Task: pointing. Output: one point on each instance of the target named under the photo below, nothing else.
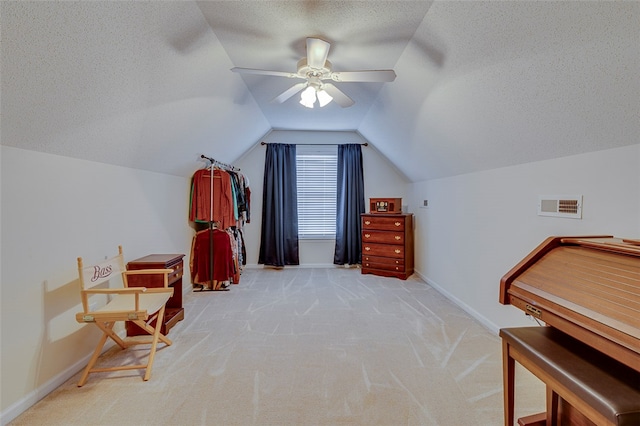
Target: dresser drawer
(385, 237)
(383, 223)
(382, 267)
(384, 250)
(178, 271)
(382, 260)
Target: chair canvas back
(91, 276)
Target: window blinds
(317, 180)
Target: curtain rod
(318, 144)
(218, 163)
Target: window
(317, 168)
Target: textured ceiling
(519, 82)
(271, 35)
(479, 85)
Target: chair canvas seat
(151, 302)
(139, 305)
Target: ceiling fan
(315, 69)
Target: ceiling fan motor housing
(305, 71)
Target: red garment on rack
(202, 209)
(223, 265)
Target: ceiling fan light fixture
(308, 97)
(315, 69)
(323, 97)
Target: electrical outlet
(425, 204)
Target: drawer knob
(397, 268)
(398, 237)
(367, 235)
(397, 251)
(366, 222)
(367, 248)
(398, 223)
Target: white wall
(380, 180)
(55, 209)
(478, 226)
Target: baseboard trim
(22, 405)
(468, 309)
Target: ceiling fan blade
(338, 96)
(265, 72)
(317, 52)
(289, 92)
(375, 76)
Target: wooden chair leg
(94, 358)
(107, 332)
(508, 383)
(154, 344)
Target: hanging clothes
(248, 198)
(212, 204)
(231, 232)
(211, 258)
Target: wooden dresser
(387, 244)
(174, 311)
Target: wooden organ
(589, 289)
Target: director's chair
(140, 305)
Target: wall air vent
(560, 206)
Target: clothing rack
(220, 164)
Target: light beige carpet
(306, 347)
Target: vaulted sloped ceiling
(512, 82)
(138, 84)
(479, 85)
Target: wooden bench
(601, 389)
